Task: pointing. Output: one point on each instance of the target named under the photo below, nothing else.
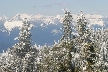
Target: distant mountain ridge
(46, 20)
(46, 29)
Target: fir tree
(102, 41)
(67, 29)
(24, 44)
(62, 52)
(22, 57)
(87, 48)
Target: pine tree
(87, 48)
(80, 41)
(68, 42)
(62, 51)
(102, 41)
(46, 60)
(9, 62)
(22, 55)
(67, 29)
(24, 44)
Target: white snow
(16, 21)
(38, 16)
(10, 25)
(93, 16)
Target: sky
(52, 7)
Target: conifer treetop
(67, 29)
(81, 24)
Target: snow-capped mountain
(46, 29)
(15, 21)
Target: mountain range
(45, 29)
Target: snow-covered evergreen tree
(24, 44)
(102, 63)
(62, 52)
(85, 45)
(22, 57)
(67, 26)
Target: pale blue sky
(52, 7)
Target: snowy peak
(93, 16)
(11, 25)
(95, 19)
(20, 17)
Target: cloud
(48, 5)
(62, 4)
